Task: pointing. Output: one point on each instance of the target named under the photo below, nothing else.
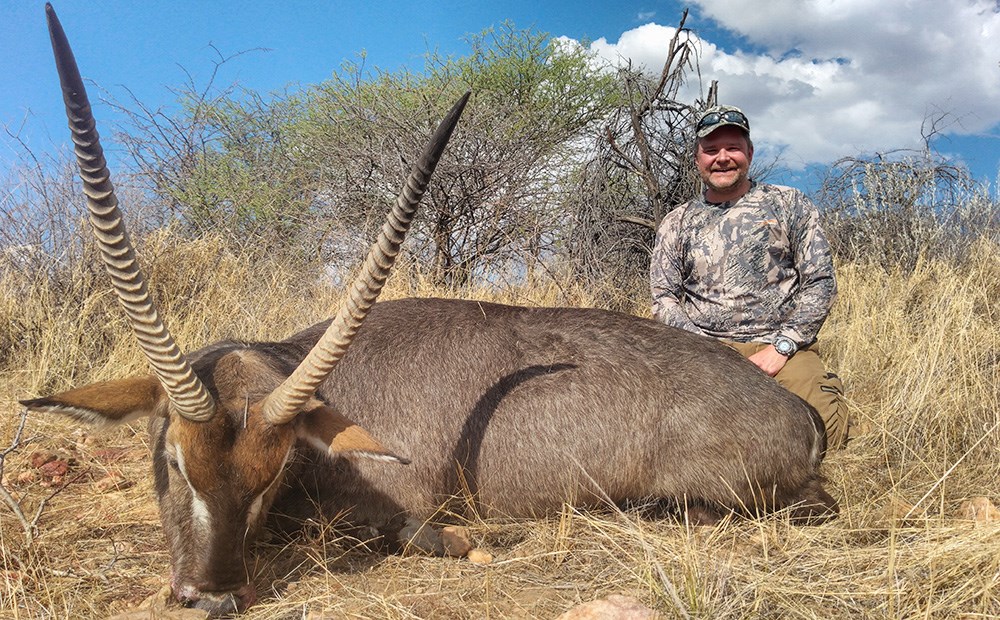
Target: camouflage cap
(720, 116)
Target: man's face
(723, 158)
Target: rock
(53, 472)
(421, 537)
(160, 607)
(903, 513)
(39, 458)
(108, 456)
(478, 556)
(979, 509)
(26, 477)
(12, 579)
(54, 468)
(112, 482)
(614, 607)
(455, 541)
(83, 439)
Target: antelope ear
(107, 403)
(336, 435)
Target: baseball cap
(720, 116)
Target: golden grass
(919, 352)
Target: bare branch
(641, 169)
(16, 443)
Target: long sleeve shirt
(747, 271)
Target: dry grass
(920, 354)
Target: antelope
(391, 411)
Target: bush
(893, 211)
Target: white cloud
(839, 77)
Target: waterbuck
(514, 410)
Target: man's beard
(736, 181)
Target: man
(748, 263)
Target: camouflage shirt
(746, 271)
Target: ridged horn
(189, 397)
(282, 405)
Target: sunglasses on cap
(732, 116)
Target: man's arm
(817, 281)
(666, 275)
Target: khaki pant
(805, 376)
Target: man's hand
(768, 360)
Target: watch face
(783, 346)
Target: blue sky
(820, 79)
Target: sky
(819, 79)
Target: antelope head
(225, 425)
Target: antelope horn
(282, 405)
(187, 393)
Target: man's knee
(832, 408)
(807, 377)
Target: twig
(30, 526)
(16, 443)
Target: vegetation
(559, 156)
(307, 174)
(253, 209)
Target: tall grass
(918, 348)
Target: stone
(160, 606)
(422, 537)
(478, 556)
(39, 458)
(903, 513)
(613, 607)
(455, 541)
(112, 482)
(980, 510)
(53, 473)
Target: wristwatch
(785, 345)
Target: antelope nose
(217, 604)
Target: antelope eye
(171, 460)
